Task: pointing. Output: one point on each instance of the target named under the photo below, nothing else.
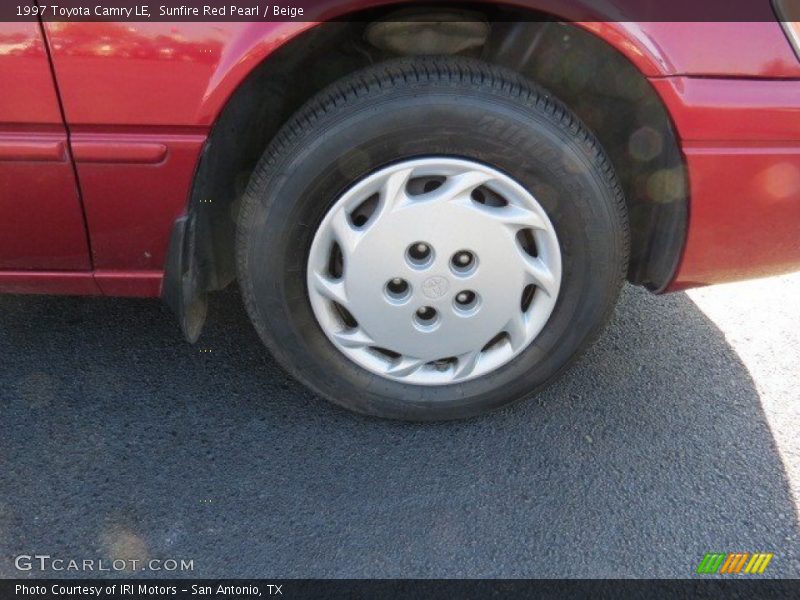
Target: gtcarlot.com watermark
(46, 562)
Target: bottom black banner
(449, 589)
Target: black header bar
(358, 10)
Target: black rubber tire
(420, 107)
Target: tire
(422, 107)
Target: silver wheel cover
(434, 271)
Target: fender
(196, 66)
(657, 49)
(255, 42)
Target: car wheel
(431, 239)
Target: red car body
(102, 126)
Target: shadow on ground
(118, 440)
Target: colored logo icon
(734, 563)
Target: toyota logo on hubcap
(435, 287)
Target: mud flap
(183, 290)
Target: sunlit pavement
(760, 320)
(677, 434)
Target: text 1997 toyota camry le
(429, 212)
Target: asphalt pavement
(675, 435)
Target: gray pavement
(119, 440)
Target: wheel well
(595, 81)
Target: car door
(41, 219)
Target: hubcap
(434, 271)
